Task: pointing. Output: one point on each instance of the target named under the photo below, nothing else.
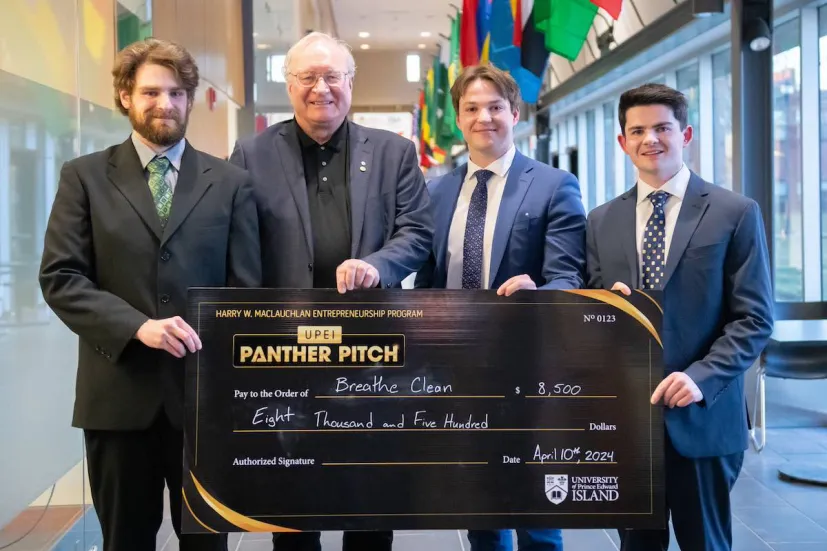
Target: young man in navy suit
(705, 248)
(505, 222)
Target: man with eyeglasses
(340, 205)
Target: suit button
(164, 299)
(165, 256)
(310, 267)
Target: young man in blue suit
(704, 247)
(505, 222)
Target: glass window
(788, 239)
(822, 60)
(722, 118)
(688, 82)
(609, 145)
(590, 160)
(631, 173)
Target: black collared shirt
(326, 174)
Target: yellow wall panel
(39, 42)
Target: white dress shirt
(456, 235)
(676, 188)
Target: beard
(155, 130)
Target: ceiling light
(262, 46)
(425, 34)
(413, 68)
(255, 35)
(422, 46)
(757, 34)
(365, 46)
(364, 34)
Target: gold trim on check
(620, 303)
(243, 522)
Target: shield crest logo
(557, 487)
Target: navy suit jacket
(391, 220)
(540, 230)
(717, 304)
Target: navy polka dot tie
(653, 247)
(475, 232)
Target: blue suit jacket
(717, 304)
(391, 221)
(540, 230)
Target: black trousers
(127, 473)
(351, 541)
(697, 498)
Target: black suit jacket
(391, 222)
(108, 266)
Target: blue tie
(475, 232)
(653, 247)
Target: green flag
(565, 23)
(450, 132)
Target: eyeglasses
(334, 79)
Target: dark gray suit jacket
(391, 221)
(108, 266)
(717, 303)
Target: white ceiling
(393, 24)
(274, 23)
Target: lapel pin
(363, 163)
(362, 168)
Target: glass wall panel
(56, 103)
(787, 221)
(592, 164)
(688, 82)
(613, 184)
(722, 118)
(822, 61)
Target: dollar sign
(517, 390)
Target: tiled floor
(769, 513)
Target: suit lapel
(192, 183)
(516, 186)
(624, 222)
(126, 173)
(451, 186)
(290, 157)
(361, 168)
(692, 210)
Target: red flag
(612, 7)
(469, 52)
(517, 13)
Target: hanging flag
(567, 25)
(451, 134)
(469, 49)
(428, 113)
(503, 53)
(612, 7)
(534, 55)
(484, 30)
(441, 92)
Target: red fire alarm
(211, 98)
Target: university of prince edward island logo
(557, 487)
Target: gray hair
(316, 36)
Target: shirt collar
(500, 167)
(675, 186)
(336, 142)
(146, 154)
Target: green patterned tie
(161, 190)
